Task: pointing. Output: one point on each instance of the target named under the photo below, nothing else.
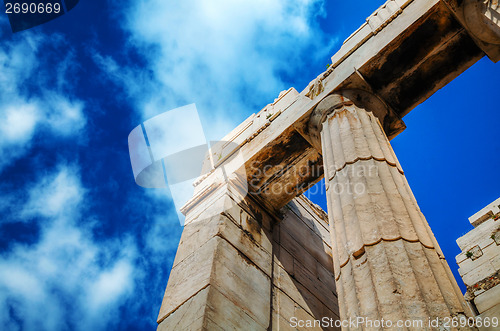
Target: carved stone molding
(391, 123)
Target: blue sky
(81, 245)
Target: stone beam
(406, 51)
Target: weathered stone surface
(188, 277)
(303, 280)
(241, 281)
(209, 310)
(387, 263)
(479, 262)
(490, 314)
(188, 316)
(280, 323)
(480, 19)
(297, 251)
(298, 238)
(222, 274)
(488, 299)
(473, 269)
(220, 265)
(404, 53)
(223, 314)
(312, 215)
(285, 309)
(196, 235)
(478, 273)
(319, 305)
(480, 235)
(485, 214)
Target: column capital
(482, 18)
(340, 100)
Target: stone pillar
(221, 277)
(387, 262)
(244, 268)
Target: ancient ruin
(269, 256)
(479, 262)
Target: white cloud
(58, 195)
(26, 106)
(66, 266)
(110, 286)
(227, 56)
(65, 116)
(19, 123)
(25, 284)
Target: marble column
(387, 262)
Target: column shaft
(387, 262)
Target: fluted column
(387, 262)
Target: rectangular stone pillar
(221, 277)
(246, 269)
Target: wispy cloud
(229, 57)
(67, 269)
(27, 104)
(57, 196)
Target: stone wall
(303, 280)
(248, 270)
(479, 262)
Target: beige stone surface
(223, 275)
(386, 262)
(196, 235)
(478, 271)
(492, 314)
(474, 270)
(303, 280)
(231, 252)
(293, 247)
(285, 309)
(209, 310)
(295, 236)
(281, 323)
(221, 266)
(313, 217)
(485, 213)
(480, 234)
(189, 316)
(188, 278)
(488, 299)
(223, 314)
(239, 279)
